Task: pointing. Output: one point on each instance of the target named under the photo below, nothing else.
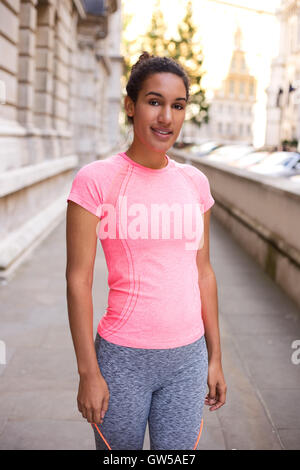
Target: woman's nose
(165, 115)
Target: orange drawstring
(195, 446)
(101, 435)
(199, 435)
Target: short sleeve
(86, 191)
(205, 194)
(201, 185)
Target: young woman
(158, 344)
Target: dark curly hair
(148, 65)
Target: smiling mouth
(161, 132)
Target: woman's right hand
(93, 397)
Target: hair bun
(142, 58)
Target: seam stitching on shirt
(110, 331)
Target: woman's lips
(161, 136)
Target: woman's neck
(146, 157)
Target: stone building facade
(231, 106)
(283, 107)
(60, 98)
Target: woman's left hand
(217, 387)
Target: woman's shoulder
(99, 168)
(191, 171)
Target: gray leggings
(165, 387)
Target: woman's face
(159, 111)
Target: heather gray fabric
(167, 387)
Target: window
(242, 89)
(243, 64)
(220, 127)
(231, 87)
(251, 89)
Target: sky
(216, 26)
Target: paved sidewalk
(38, 385)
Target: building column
(9, 40)
(26, 69)
(44, 65)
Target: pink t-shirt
(150, 227)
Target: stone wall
(268, 231)
(60, 70)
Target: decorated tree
(188, 52)
(155, 41)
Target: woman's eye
(153, 101)
(157, 102)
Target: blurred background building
(231, 106)
(239, 39)
(60, 68)
(283, 107)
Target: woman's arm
(209, 301)
(81, 239)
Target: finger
(220, 393)
(209, 400)
(83, 411)
(216, 406)
(104, 406)
(89, 415)
(211, 405)
(222, 396)
(79, 406)
(212, 393)
(220, 399)
(97, 417)
(212, 400)
(210, 397)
